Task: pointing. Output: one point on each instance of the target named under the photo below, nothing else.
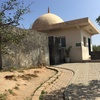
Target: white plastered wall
(85, 50)
(73, 36)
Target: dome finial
(48, 10)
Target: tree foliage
(11, 12)
(98, 20)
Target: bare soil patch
(20, 85)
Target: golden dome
(46, 19)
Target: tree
(98, 20)
(96, 48)
(11, 13)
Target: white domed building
(75, 34)
(46, 20)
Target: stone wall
(32, 51)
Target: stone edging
(46, 83)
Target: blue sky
(66, 9)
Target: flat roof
(82, 23)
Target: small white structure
(76, 33)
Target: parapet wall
(32, 51)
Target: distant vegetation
(96, 48)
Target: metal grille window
(62, 41)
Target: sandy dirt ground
(21, 85)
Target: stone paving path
(85, 84)
(84, 72)
(56, 89)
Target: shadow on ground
(54, 95)
(76, 92)
(83, 92)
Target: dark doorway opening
(89, 46)
(56, 50)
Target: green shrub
(11, 92)
(3, 96)
(16, 87)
